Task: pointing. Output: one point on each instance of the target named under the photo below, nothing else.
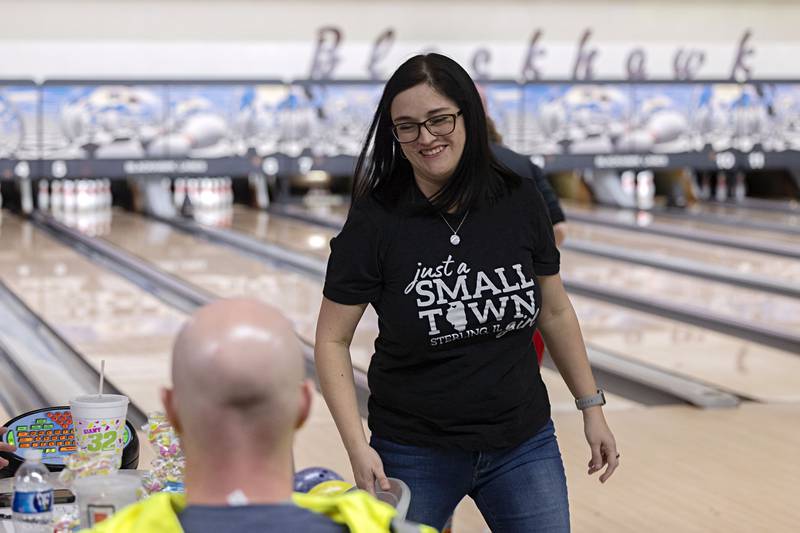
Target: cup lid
(100, 399)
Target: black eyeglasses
(408, 132)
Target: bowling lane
(791, 206)
(331, 214)
(735, 303)
(738, 214)
(100, 314)
(646, 219)
(223, 272)
(291, 234)
(728, 362)
(769, 311)
(766, 266)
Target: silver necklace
(454, 238)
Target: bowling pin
(207, 193)
(705, 186)
(56, 196)
(82, 195)
(91, 195)
(628, 179)
(193, 191)
(228, 192)
(179, 192)
(109, 194)
(43, 196)
(102, 194)
(97, 194)
(83, 221)
(740, 188)
(645, 190)
(221, 193)
(105, 193)
(722, 187)
(26, 195)
(69, 195)
(211, 194)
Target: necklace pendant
(454, 240)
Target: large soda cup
(99, 424)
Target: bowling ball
(331, 488)
(308, 478)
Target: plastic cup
(99, 424)
(398, 496)
(99, 497)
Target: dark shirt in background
(523, 167)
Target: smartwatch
(590, 401)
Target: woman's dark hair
(381, 169)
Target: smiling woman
(430, 127)
(456, 254)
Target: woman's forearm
(562, 335)
(335, 374)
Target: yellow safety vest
(357, 509)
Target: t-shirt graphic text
(449, 299)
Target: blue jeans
(521, 489)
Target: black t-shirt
(454, 366)
(234, 519)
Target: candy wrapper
(68, 521)
(82, 464)
(168, 467)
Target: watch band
(590, 401)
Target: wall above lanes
(615, 39)
(415, 20)
(86, 129)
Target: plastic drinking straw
(102, 376)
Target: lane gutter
(702, 236)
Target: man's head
(238, 371)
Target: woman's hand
(601, 441)
(367, 468)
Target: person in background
(456, 254)
(524, 167)
(239, 394)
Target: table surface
(7, 526)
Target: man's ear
(306, 397)
(168, 401)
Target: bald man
(239, 393)
(237, 371)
